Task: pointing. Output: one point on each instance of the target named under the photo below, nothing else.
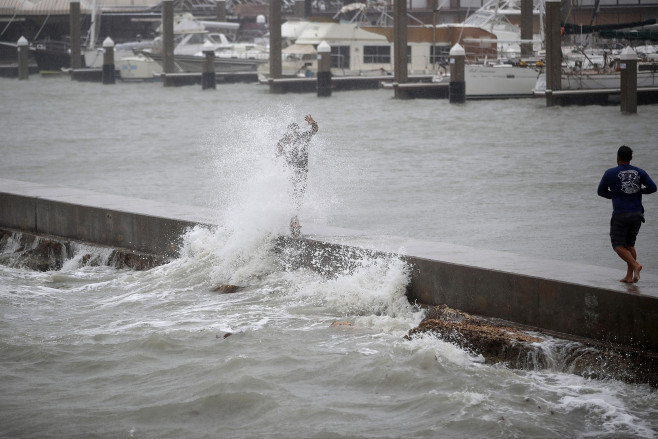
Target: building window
(340, 57)
(376, 54)
(439, 54)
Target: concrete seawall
(576, 299)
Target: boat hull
(499, 82)
(138, 68)
(194, 64)
(597, 81)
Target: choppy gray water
(99, 352)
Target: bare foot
(636, 273)
(626, 280)
(295, 227)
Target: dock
(554, 296)
(173, 79)
(179, 79)
(11, 70)
(338, 83)
(419, 90)
(603, 96)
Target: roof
(337, 32)
(63, 7)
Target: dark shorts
(624, 228)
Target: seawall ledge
(564, 297)
(508, 262)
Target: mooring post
(275, 39)
(527, 25)
(168, 41)
(628, 64)
(299, 9)
(108, 61)
(23, 52)
(324, 69)
(220, 10)
(553, 50)
(208, 79)
(457, 86)
(74, 23)
(400, 41)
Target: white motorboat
(500, 81)
(139, 67)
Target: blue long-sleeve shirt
(624, 185)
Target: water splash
(254, 208)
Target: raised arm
(313, 123)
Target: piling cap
(628, 54)
(324, 47)
(207, 47)
(457, 50)
(22, 42)
(107, 42)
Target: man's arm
(604, 189)
(649, 185)
(314, 124)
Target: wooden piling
(167, 40)
(457, 92)
(23, 53)
(299, 9)
(628, 86)
(324, 70)
(526, 28)
(220, 10)
(208, 78)
(400, 41)
(74, 23)
(275, 39)
(553, 51)
(108, 61)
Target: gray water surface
(99, 352)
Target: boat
(192, 38)
(52, 56)
(601, 70)
(509, 75)
(139, 67)
(500, 81)
(596, 80)
(223, 63)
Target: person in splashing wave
(624, 185)
(293, 146)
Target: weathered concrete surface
(577, 299)
(112, 220)
(582, 300)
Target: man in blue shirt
(624, 185)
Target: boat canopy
(315, 33)
(303, 49)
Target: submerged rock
(343, 323)
(520, 347)
(226, 289)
